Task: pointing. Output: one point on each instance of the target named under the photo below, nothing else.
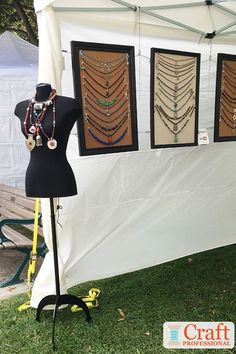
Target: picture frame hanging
(174, 98)
(225, 98)
(104, 85)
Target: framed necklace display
(104, 84)
(174, 98)
(225, 101)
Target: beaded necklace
(230, 112)
(175, 118)
(105, 75)
(107, 86)
(175, 101)
(176, 61)
(110, 141)
(228, 124)
(176, 88)
(175, 66)
(103, 120)
(175, 110)
(107, 104)
(227, 66)
(105, 63)
(175, 95)
(108, 94)
(101, 128)
(175, 130)
(33, 133)
(174, 82)
(231, 83)
(228, 98)
(176, 74)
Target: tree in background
(18, 16)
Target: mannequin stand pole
(58, 299)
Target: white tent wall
(13, 154)
(18, 76)
(139, 209)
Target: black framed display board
(174, 98)
(225, 102)
(104, 84)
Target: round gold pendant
(52, 144)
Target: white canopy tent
(18, 75)
(139, 209)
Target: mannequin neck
(43, 91)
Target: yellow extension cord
(90, 300)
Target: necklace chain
(33, 132)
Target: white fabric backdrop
(142, 208)
(18, 76)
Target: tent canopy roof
(206, 19)
(15, 52)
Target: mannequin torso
(49, 173)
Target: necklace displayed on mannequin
(35, 115)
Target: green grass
(199, 290)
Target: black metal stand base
(59, 300)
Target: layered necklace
(174, 94)
(228, 98)
(34, 119)
(106, 104)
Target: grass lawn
(197, 288)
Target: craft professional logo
(201, 335)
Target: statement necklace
(35, 114)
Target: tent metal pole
(226, 27)
(225, 9)
(179, 6)
(227, 33)
(176, 23)
(169, 7)
(91, 9)
(124, 3)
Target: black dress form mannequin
(49, 174)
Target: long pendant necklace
(176, 88)
(33, 133)
(174, 119)
(176, 131)
(174, 73)
(108, 94)
(175, 95)
(175, 110)
(188, 93)
(174, 82)
(107, 86)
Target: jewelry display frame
(196, 56)
(84, 148)
(219, 100)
